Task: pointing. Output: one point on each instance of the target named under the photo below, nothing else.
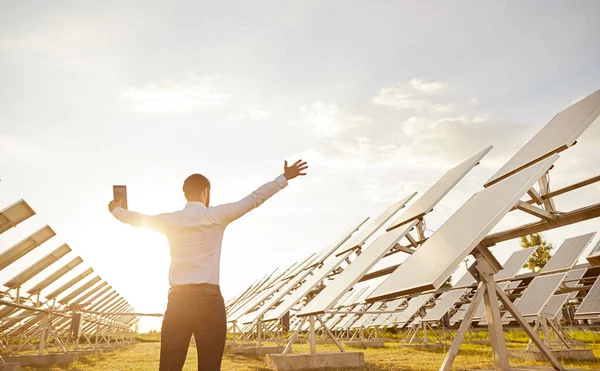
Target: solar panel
(347, 321)
(354, 272)
(438, 190)
(275, 298)
(302, 291)
(466, 280)
(25, 246)
(354, 298)
(70, 283)
(80, 290)
(559, 134)
(537, 295)
(366, 233)
(37, 267)
(591, 303)
(431, 264)
(55, 276)
(390, 306)
(459, 315)
(14, 214)
(446, 301)
(514, 263)
(339, 244)
(365, 319)
(568, 253)
(554, 307)
(414, 305)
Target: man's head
(196, 188)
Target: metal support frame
(489, 291)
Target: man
(195, 234)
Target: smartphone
(120, 193)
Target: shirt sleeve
(227, 213)
(160, 223)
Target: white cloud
(328, 120)
(413, 95)
(428, 87)
(175, 97)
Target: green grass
(144, 357)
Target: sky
(380, 97)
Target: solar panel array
(431, 265)
(352, 274)
(104, 312)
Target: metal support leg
(311, 336)
(462, 329)
(259, 333)
(516, 315)
(495, 327)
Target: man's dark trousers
(199, 310)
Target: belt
(196, 288)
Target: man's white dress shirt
(195, 233)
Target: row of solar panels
(433, 262)
(538, 293)
(104, 309)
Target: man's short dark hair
(195, 183)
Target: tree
(541, 256)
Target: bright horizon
(381, 99)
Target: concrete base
(13, 366)
(363, 344)
(292, 362)
(561, 354)
(44, 360)
(259, 351)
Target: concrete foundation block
(561, 354)
(12, 366)
(292, 362)
(44, 360)
(363, 344)
(259, 351)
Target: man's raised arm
(159, 223)
(227, 213)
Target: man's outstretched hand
(297, 169)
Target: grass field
(144, 357)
